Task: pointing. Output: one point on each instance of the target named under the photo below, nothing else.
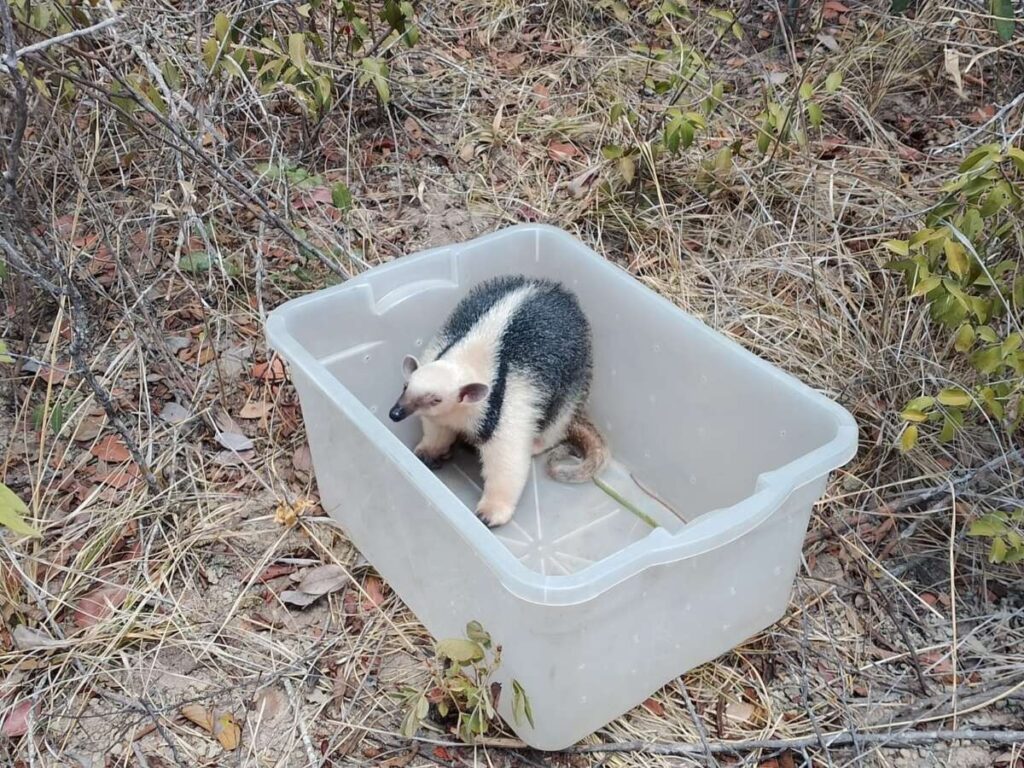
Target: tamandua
(509, 372)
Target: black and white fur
(509, 372)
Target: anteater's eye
(435, 401)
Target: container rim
(713, 529)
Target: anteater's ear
(473, 393)
(409, 366)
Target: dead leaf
(173, 413)
(315, 583)
(740, 711)
(655, 707)
(269, 703)
(234, 441)
(297, 598)
(98, 604)
(462, 53)
(227, 731)
(111, 449)
(323, 579)
(832, 9)
(511, 62)
(275, 571)
(232, 458)
(255, 410)
(120, 478)
(412, 129)
(582, 184)
(777, 78)
(175, 344)
(829, 42)
(270, 371)
(89, 427)
(543, 96)
(16, 722)
(374, 590)
(26, 639)
(222, 726)
(288, 514)
(982, 115)
(561, 152)
(313, 199)
(951, 63)
(401, 761)
(302, 460)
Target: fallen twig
(898, 739)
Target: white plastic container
(718, 455)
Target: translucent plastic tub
(599, 594)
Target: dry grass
(780, 253)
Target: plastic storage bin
(599, 594)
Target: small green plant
(778, 121)
(1006, 530)
(461, 688)
(966, 263)
(293, 62)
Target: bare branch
(58, 40)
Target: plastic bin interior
(708, 442)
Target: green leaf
(1016, 155)
(955, 397)
(987, 360)
(976, 156)
(909, 438)
(521, 704)
(814, 114)
(1011, 344)
(927, 285)
(913, 415)
(998, 551)
(376, 71)
(221, 26)
(899, 247)
(956, 258)
(964, 338)
(988, 395)
(13, 513)
(297, 50)
(921, 403)
(627, 167)
(615, 112)
(410, 723)
(476, 633)
(986, 334)
(195, 262)
(1018, 292)
(1004, 20)
(460, 651)
(806, 91)
(833, 81)
(995, 200)
(4, 357)
(341, 196)
(611, 151)
(899, 6)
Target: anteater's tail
(581, 456)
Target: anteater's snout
(398, 412)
